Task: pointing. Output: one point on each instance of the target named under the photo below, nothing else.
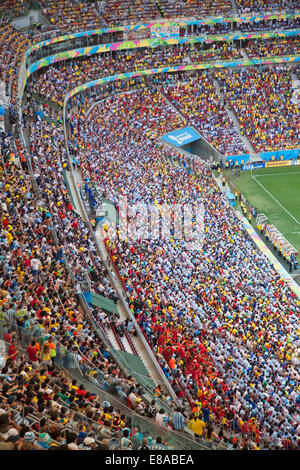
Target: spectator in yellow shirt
(198, 427)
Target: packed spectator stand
(271, 120)
(276, 47)
(249, 6)
(63, 325)
(194, 8)
(70, 15)
(222, 324)
(11, 8)
(198, 101)
(139, 276)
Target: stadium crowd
(254, 6)
(55, 81)
(13, 43)
(204, 109)
(261, 98)
(72, 15)
(11, 8)
(272, 47)
(195, 8)
(75, 15)
(118, 12)
(47, 320)
(223, 325)
(268, 25)
(221, 51)
(221, 316)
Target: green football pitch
(276, 193)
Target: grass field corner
(276, 193)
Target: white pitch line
(275, 174)
(276, 200)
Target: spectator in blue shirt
(178, 420)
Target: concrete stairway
(43, 100)
(126, 344)
(112, 339)
(234, 7)
(237, 126)
(138, 344)
(146, 363)
(243, 52)
(296, 88)
(176, 110)
(74, 193)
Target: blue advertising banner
(280, 155)
(238, 159)
(275, 156)
(253, 165)
(182, 136)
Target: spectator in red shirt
(32, 355)
(80, 391)
(12, 351)
(7, 338)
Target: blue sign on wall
(267, 156)
(238, 158)
(280, 154)
(181, 136)
(253, 165)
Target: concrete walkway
(149, 362)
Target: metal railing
(141, 426)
